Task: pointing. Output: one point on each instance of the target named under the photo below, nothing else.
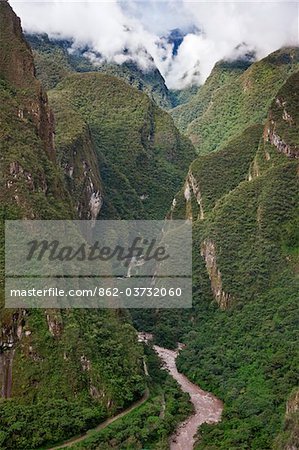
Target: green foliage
(54, 62)
(91, 367)
(71, 368)
(32, 426)
(142, 158)
(248, 358)
(247, 228)
(150, 425)
(182, 96)
(222, 74)
(219, 173)
(218, 112)
(53, 376)
(30, 179)
(247, 354)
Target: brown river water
(207, 408)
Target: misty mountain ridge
(55, 57)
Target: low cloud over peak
(141, 31)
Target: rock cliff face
(280, 144)
(17, 68)
(283, 119)
(289, 438)
(208, 252)
(192, 188)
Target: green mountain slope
(246, 351)
(235, 101)
(241, 336)
(61, 372)
(212, 176)
(142, 158)
(31, 182)
(113, 153)
(54, 62)
(222, 74)
(243, 342)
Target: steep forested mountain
(141, 155)
(243, 200)
(223, 73)
(38, 348)
(127, 141)
(234, 97)
(54, 60)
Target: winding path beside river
(102, 425)
(207, 408)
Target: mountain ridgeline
(56, 58)
(236, 94)
(98, 146)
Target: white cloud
(110, 27)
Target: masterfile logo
(63, 264)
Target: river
(207, 408)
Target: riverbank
(101, 426)
(207, 408)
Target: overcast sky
(213, 31)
